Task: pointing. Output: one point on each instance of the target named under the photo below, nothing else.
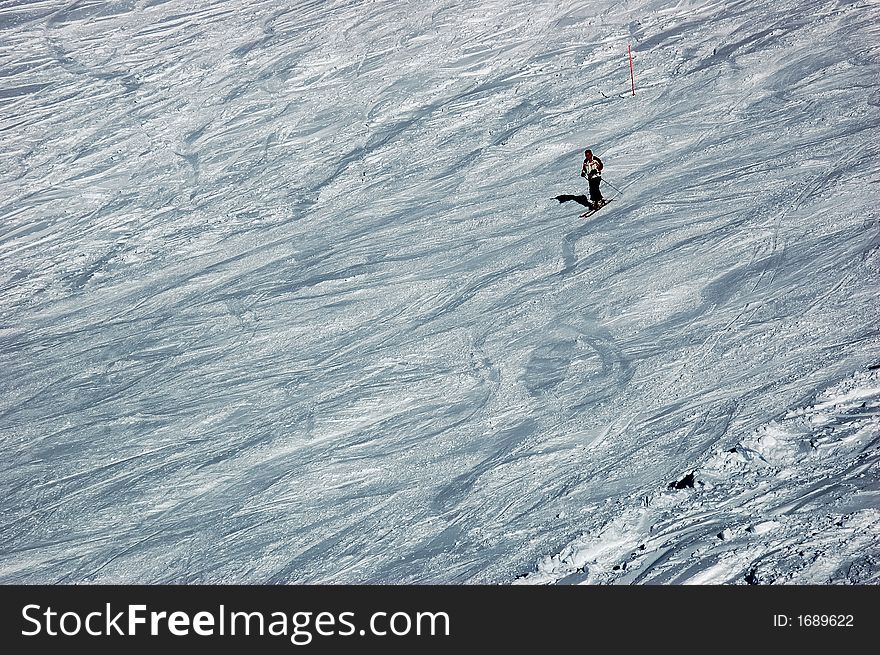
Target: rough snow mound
(794, 502)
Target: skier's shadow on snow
(583, 200)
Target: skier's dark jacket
(592, 167)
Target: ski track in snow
(285, 295)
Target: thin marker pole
(631, 76)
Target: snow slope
(285, 295)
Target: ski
(593, 211)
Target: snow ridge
(795, 501)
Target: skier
(592, 170)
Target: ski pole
(614, 187)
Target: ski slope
(285, 295)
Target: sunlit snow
(286, 294)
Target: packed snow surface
(286, 295)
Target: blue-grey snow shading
(285, 295)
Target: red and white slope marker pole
(631, 76)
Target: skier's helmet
(588, 153)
